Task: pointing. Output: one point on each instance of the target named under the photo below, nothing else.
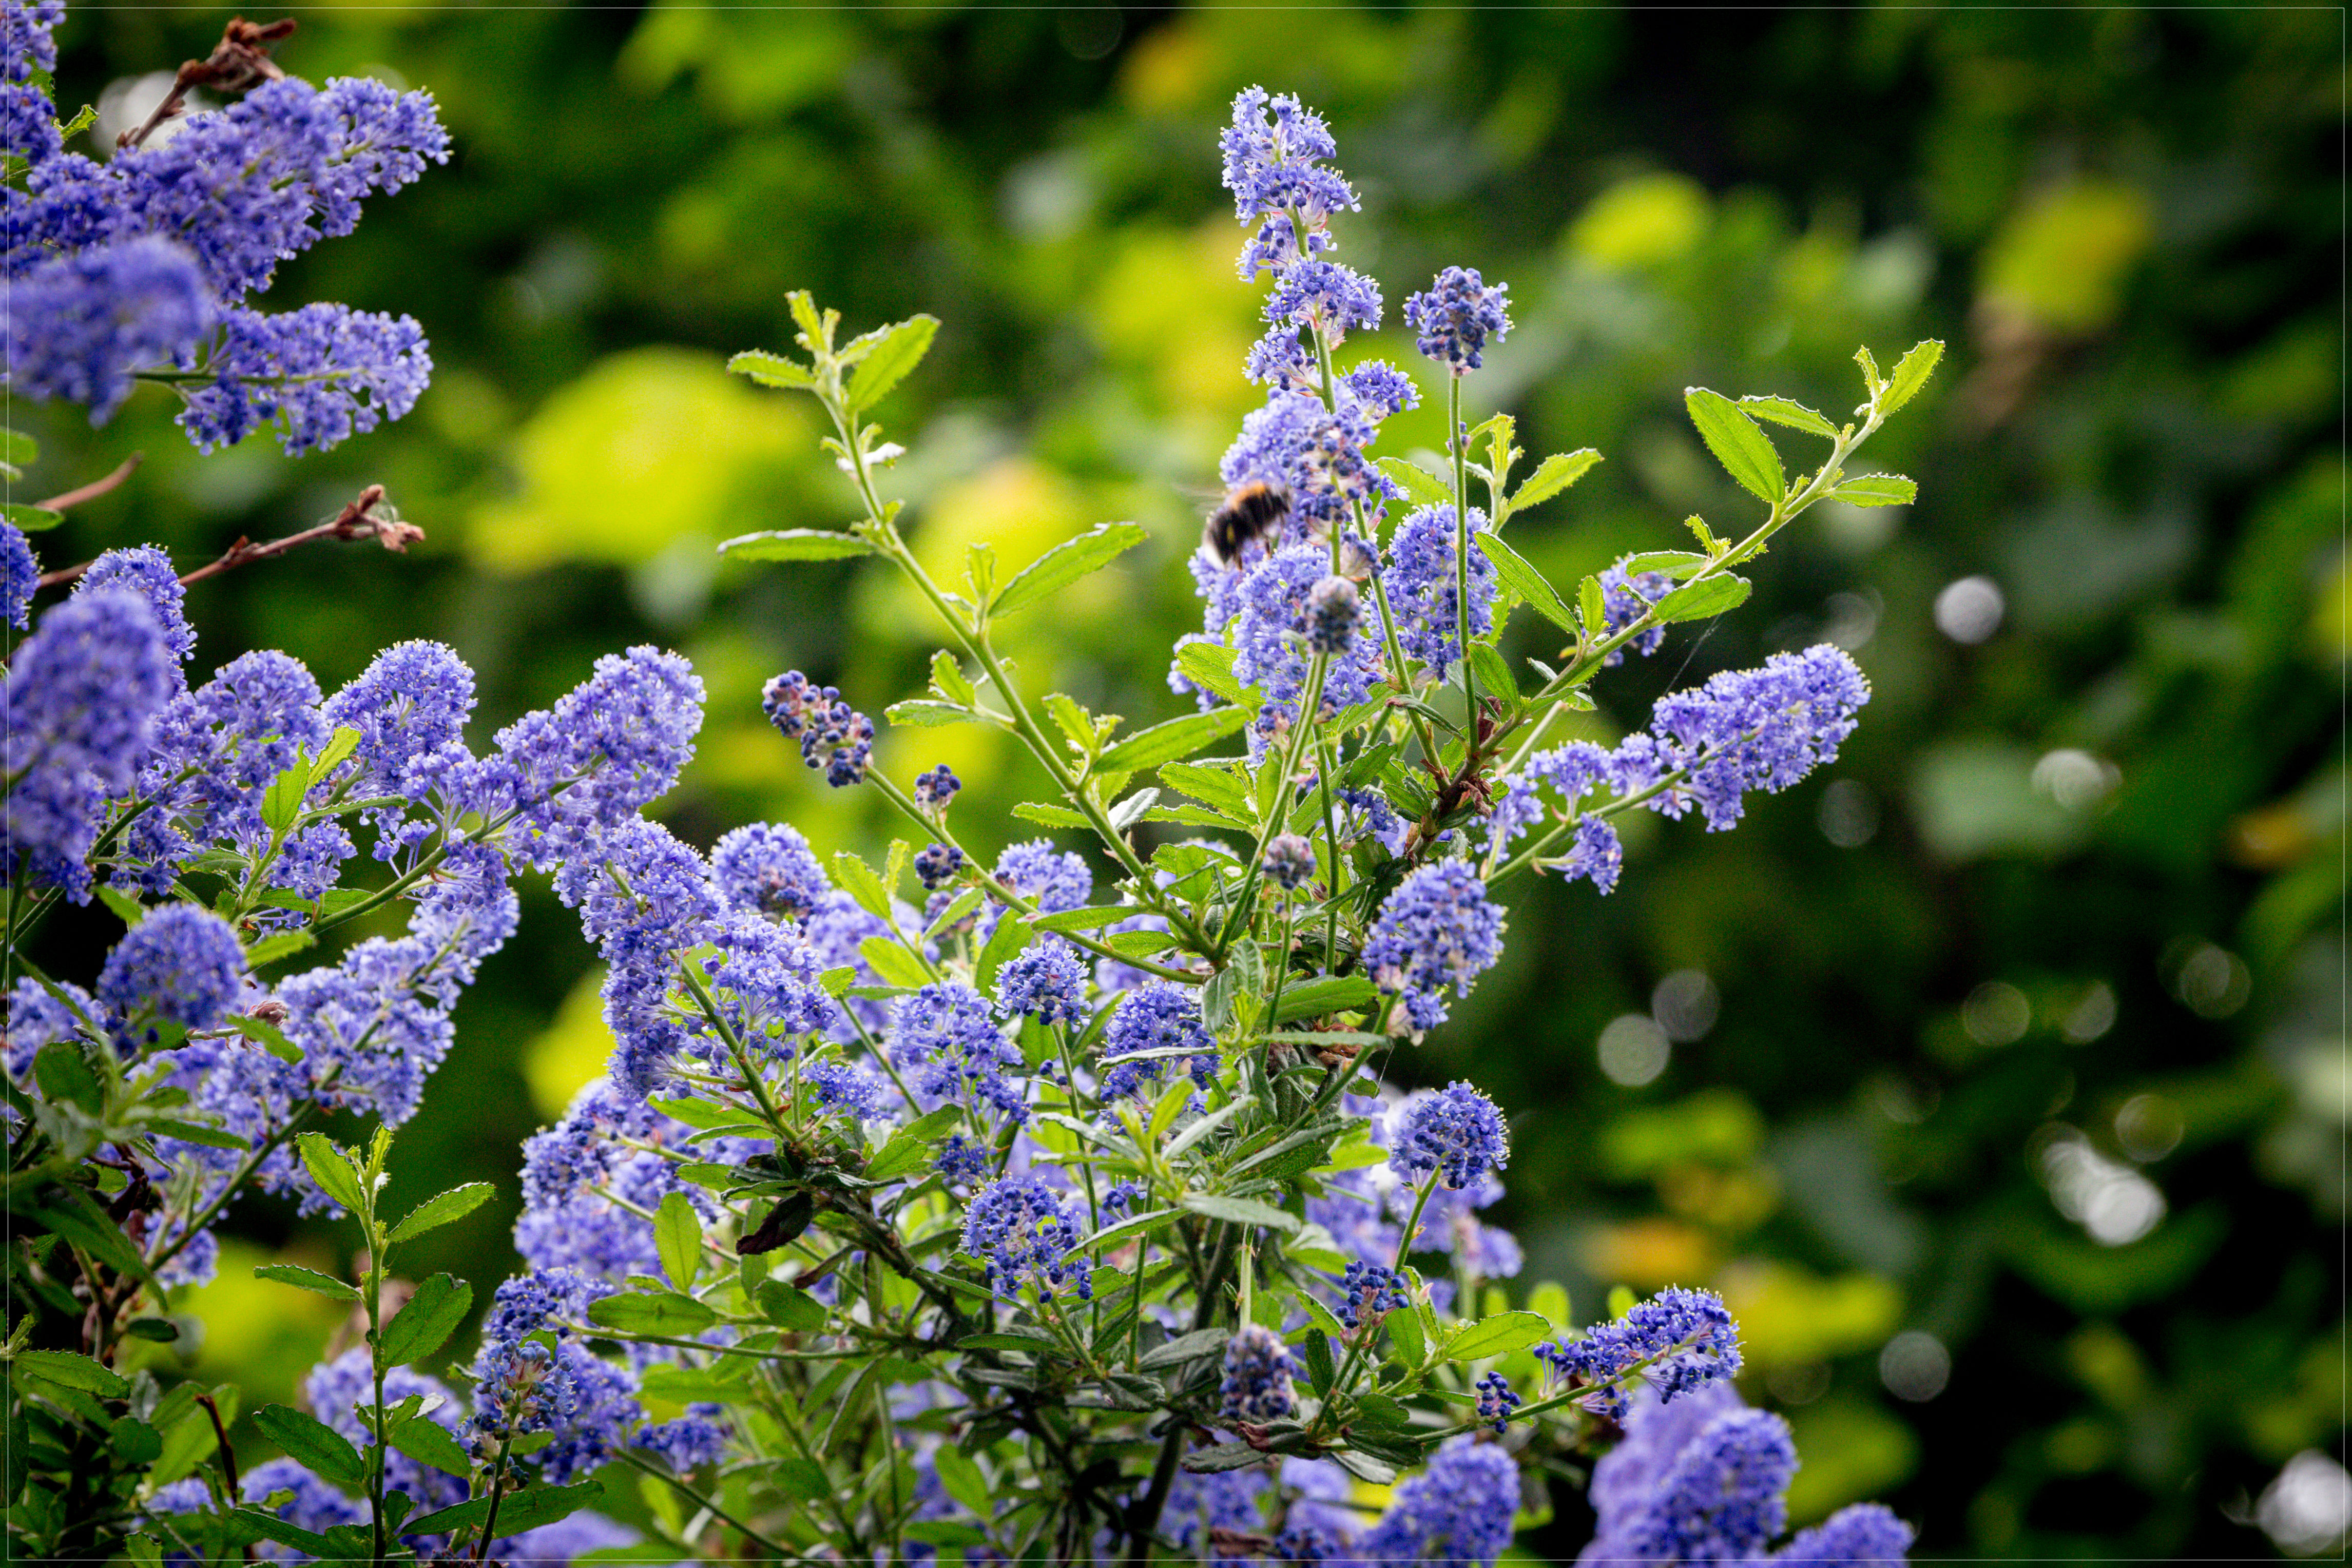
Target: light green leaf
(1210, 665)
(1869, 369)
(1010, 936)
(678, 1237)
(858, 879)
(127, 909)
(924, 714)
(1421, 487)
(203, 1133)
(342, 743)
(425, 1323)
(795, 544)
(308, 1279)
(1592, 605)
(283, 803)
(949, 680)
(1553, 475)
(789, 1307)
(278, 944)
(70, 1369)
(1045, 814)
(30, 519)
(900, 350)
(1521, 578)
(1911, 374)
(1709, 596)
(1066, 563)
(894, 964)
(1877, 490)
(331, 1170)
(1785, 410)
(1172, 741)
(443, 1207)
(1741, 447)
(772, 370)
(1239, 1210)
(1498, 1335)
(1331, 994)
(1676, 563)
(428, 1443)
(267, 1036)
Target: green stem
(1458, 441)
(706, 1504)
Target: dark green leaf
(70, 1369)
(1553, 475)
(662, 1313)
(1010, 936)
(65, 1078)
(1877, 490)
(159, 1331)
(1239, 1210)
(443, 1207)
(427, 1442)
(74, 1215)
(795, 544)
(1498, 1335)
(1171, 742)
(425, 1326)
(195, 1132)
(308, 1279)
(1183, 1348)
(1066, 563)
(1222, 1457)
(278, 944)
(315, 1446)
(678, 1237)
(1911, 374)
(789, 1307)
(269, 1527)
(1795, 415)
(1742, 449)
(1706, 597)
(518, 1511)
(901, 349)
(1330, 995)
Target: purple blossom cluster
(1281, 624)
(834, 737)
(1437, 933)
(1424, 581)
(1455, 1133)
(1154, 1029)
(142, 266)
(1677, 1340)
(1026, 1233)
(1453, 320)
(1258, 1369)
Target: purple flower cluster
(1677, 1340)
(1289, 862)
(1374, 1291)
(1281, 620)
(1274, 168)
(1154, 1028)
(945, 1035)
(1312, 454)
(934, 789)
(1024, 1233)
(1258, 1370)
(1497, 1400)
(613, 744)
(1457, 1512)
(1452, 320)
(833, 735)
(1749, 730)
(1455, 1132)
(20, 575)
(327, 372)
(1424, 583)
(1438, 930)
(81, 325)
(182, 965)
(768, 868)
(1047, 981)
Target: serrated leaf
(795, 544)
(1331, 994)
(1877, 490)
(1498, 1335)
(341, 745)
(1222, 1457)
(1239, 1210)
(30, 519)
(312, 1444)
(71, 1369)
(1421, 487)
(330, 1170)
(900, 350)
(267, 1036)
(1785, 410)
(772, 370)
(665, 1312)
(1210, 666)
(443, 1207)
(1553, 475)
(1911, 374)
(893, 963)
(949, 681)
(1521, 578)
(1737, 443)
(1676, 563)
(517, 1510)
(924, 714)
(858, 879)
(308, 1279)
(678, 1237)
(1709, 596)
(1066, 563)
(1171, 742)
(1046, 814)
(425, 1323)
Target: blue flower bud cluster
(1372, 1290)
(1423, 582)
(1164, 1019)
(1453, 320)
(1455, 1133)
(1437, 931)
(1677, 1340)
(1258, 1370)
(1026, 1235)
(834, 737)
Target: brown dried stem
(357, 520)
(95, 488)
(239, 62)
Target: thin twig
(95, 488)
(239, 62)
(358, 520)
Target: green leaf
(308, 1279)
(517, 1510)
(1404, 1330)
(663, 1312)
(1877, 490)
(901, 349)
(1521, 578)
(267, 1036)
(1010, 936)
(269, 1527)
(1421, 487)
(949, 680)
(1171, 742)
(70, 1369)
(342, 743)
(1869, 370)
(443, 1207)
(127, 909)
(424, 1439)
(278, 944)
(1795, 415)
(963, 1480)
(1045, 814)
(1676, 563)
(1736, 444)
(1222, 1457)
(1239, 1210)
(795, 544)
(425, 1326)
(1592, 605)
(1331, 994)
(923, 713)
(858, 879)
(1911, 374)
(1093, 917)
(1706, 597)
(30, 519)
(283, 801)
(160, 1331)
(678, 1237)
(1183, 1348)
(1553, 475)
(64, 1077)
(1210, 665)
(210, 1137)
(772, 370)
(17, 449)
(789, 1307)
(1066, 563)
(73, 1213)
(315, 1446)
(894, 964)
(331, 1169)
(1498, 1335)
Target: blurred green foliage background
(1998, 1078)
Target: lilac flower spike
(1455, 1132)
(1437, 931)
(1679, 1340)
(1456, 317)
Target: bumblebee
(1252, 512)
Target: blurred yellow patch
(1717, 1126)
(1649, 1253)
(1168, 69)
(1852, 1451)
(749, 63)
(1642, 222)
(1738, 1199)
(2062, 261)
(2331, 622)
(574, 1051)
(1171, 303)
(646, 447)
(1789, 1315)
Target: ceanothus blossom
(1438, 930)
(1424, 581)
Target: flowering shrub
(1053, 1214)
